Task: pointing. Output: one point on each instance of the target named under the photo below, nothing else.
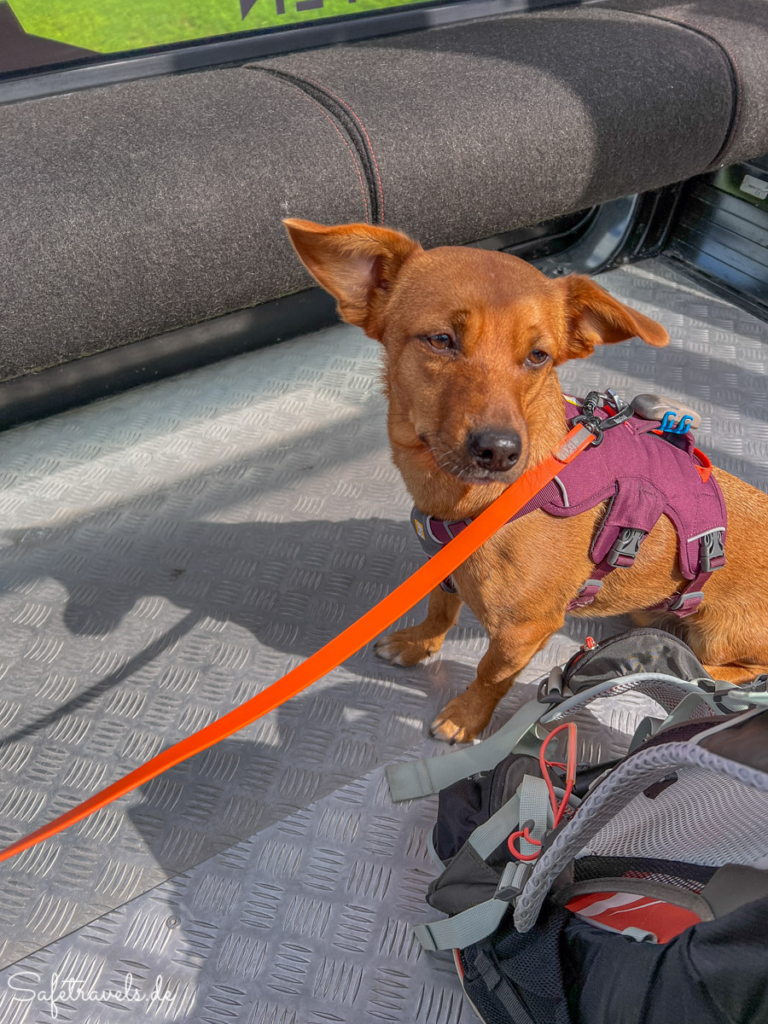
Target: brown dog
(471, 340)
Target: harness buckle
(686, 604)
(711, 551)
(586, 595)
(625, 548)
(422, 525)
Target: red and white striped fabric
(638, 917)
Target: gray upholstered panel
(138, 208)
(741, 28)
(481, 127)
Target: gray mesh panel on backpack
(702, 818)
(735, 788)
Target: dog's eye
(537, 357)
(441, 342)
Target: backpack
(608, 893)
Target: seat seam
(324, 88)
(337, 129)
(733, 73)
(350, 123)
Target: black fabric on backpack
(467, 804)
(462, 807)
(567, 971)
(518, 978)
(636, 650)
(713, 973)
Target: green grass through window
(109, 26)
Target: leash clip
(622, 412)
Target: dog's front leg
(409, 646)
(509, 651)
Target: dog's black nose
(495, 450)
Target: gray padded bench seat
(481, 127)
(134, 209)
(740, 29)
(140, 208)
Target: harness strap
(711, 558)
(616, 545)
(435, 533)
(622, 555)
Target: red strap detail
(525, 834)
(705, 469)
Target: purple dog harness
(643, 473)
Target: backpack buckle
(625, 548)
(711, 551)
(551, 687)
(512, 881)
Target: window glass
(37, 33)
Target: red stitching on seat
(370, 144)
(351, 151)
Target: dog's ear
(356, 263)
(595, 318)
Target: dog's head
(472, 338)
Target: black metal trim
(601, 245)
(719, 240)
(545, 239)
(623, 230)
(191, 56)
(59, 388)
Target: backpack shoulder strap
(429, 775)
(530, 803)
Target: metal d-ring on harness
(622, 412)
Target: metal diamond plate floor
(169, 552)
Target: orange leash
(338, 650)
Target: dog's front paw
(460, 721)
(403, 648)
